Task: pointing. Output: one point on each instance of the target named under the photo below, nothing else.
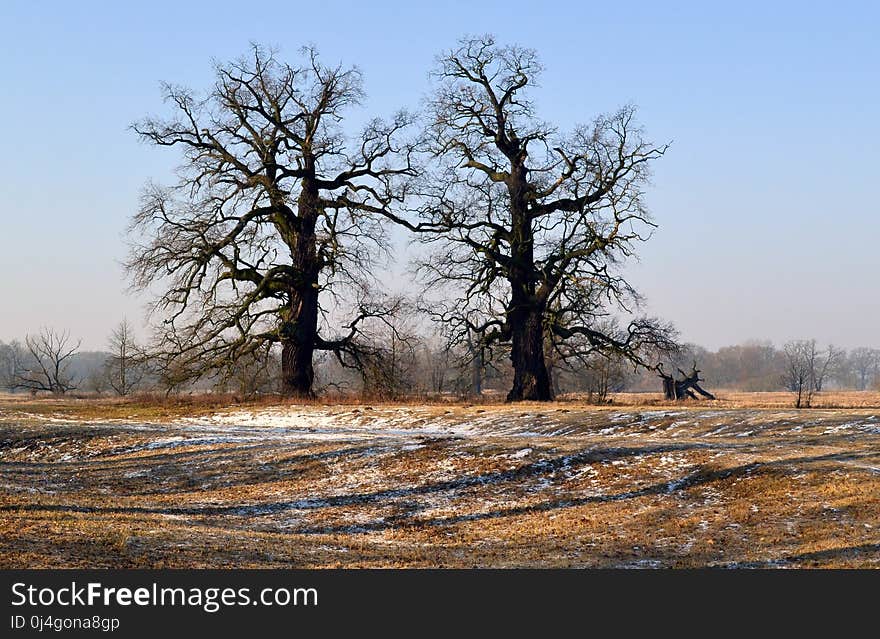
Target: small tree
(125, 368)
(388, 358)
(604, 375)
(171, 372)
(439, 366)
(96, 381)
(472, 353)
(46, 368)
(864, 363)
(800, 374)
(12, 357)
(251, 375)
(827, 364)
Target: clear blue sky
(769, 219)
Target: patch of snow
(839, 428)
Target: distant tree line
(423, 364)
(800, 366)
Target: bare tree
(12, 357)
(531, 225)
(388, 352)
(827, 362)
(597, 375)
(444, 369)
(439, 364)
(800, 374)
(96, 381)
(251, 375)
(865, 366)
(46, 367)
(603, 376)
(125, 368)
(273, 218)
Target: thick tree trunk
(298, 347)
(525, 316)
(676, 389)
(300, 327)
(531, 380)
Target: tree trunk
(676, 389)
(477, 373)
(554, 373)
(475, 350)
(530, 378)
(525, 315)
(300, 327)
(298, 347)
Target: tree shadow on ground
(537, 469)
(193, 467)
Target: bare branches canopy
(43, 363)
(807, 367)
(273, 217)
(126, 366)
(531, 224)
(278, 216)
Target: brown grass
(741, 399)
(157, 406)
(709, 484)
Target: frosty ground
(527, 485)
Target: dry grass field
(746, 481)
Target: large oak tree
(532, 225)
(273, 220)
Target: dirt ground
(89, 483)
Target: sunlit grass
(738, 482)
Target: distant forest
(419, 367)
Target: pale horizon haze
(768, 219)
